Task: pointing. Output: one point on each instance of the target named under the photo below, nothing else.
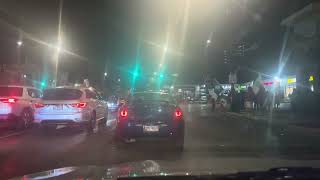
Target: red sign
(268, 83)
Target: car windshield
(171, 86)
(11, 91)
(61, 94)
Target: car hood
(155, 168)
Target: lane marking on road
(12, 134)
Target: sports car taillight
(123, 113)
(178, 113)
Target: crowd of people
(249, 100)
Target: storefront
(286, 85)
(290, 86)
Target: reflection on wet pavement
(208, 135)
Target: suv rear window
(11, 91)
(61, 94)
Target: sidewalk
(284, 117)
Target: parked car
(71, 106)
(17, 106)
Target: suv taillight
(38, 105)
(79, 105)
(9, 100)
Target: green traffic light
(135, 74)
(161, 76)
(43, 84)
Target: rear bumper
(62, 122)
(61, 119)
(7, 120)
(127, 130)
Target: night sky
(122, 33)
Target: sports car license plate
(151, 128)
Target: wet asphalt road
(207, 135)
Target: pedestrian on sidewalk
(250, 96)
(268, 101)
(277, 99)
(232, 97)
(261, 96)
(235, 100)
(214, 97)
(242, 100)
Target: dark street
(209, 136)
(191, 88)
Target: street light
(59, 47)
(208, 41)
(105, 74)
(276, 78)
(19, 43)
(165, 49)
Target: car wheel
(102, 126)
(103, 122)
(25, 120)
(91, 124)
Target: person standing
(214, 97)
(250, 96)
(235, 100)
(277, 99)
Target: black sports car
(151, 115)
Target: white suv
(71, 106)
(17, 105)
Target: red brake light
(39, 105)
(178, 113)
(79, 105)
(123, 113)
(9, 100)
